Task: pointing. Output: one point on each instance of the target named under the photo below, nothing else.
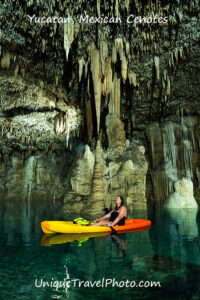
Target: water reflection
(20, 219)
(53, 239)
(168, 252)
(175, 234)
(184, 222)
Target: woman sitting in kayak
(116, 217)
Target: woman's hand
(96, 220)
(104, 217)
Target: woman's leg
(103, 223)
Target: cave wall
(58, 82)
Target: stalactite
(43, 45)
(172, 59)
(86, 69)
(114, 54)
(165, 74)
(176, 54)
(5, 60)
(63, 121)
(59, 123)
(2, 129)
(67, 128)
(118, 49)
(107, 82)
(127, 5)
(98, 8)
(157, 62)
(168, 86)
(181, 52)
(1, 36)
(76, 29)
(155, 47)
(132, 78)
(89, 119)
(163, 84)
(115, 97)
(68, 36)
(127, 44)
(103, 54)
(81, 63)
(169, 62)
(96, 76)
(117, 8)
(119, 46)
(124, 68)
(56, 80)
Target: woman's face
(118, 201)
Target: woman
(116, 217)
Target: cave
(99, 99)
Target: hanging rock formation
(96, 75)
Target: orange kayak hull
(69, 227)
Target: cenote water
(167, 253)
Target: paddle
(113, 231)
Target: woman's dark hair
(122, 202)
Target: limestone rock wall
(115, 172)
(174, 154)
(37, 178)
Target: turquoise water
(167, 253)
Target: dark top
(114, 215)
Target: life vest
(82, 221)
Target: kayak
(61, 238)
(70, 227)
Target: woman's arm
(122, 214)
(104, 217)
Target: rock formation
(119, 170)
(116, 136)
(81, 181)
(174, 153)
(63, 76)
(183, 195)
